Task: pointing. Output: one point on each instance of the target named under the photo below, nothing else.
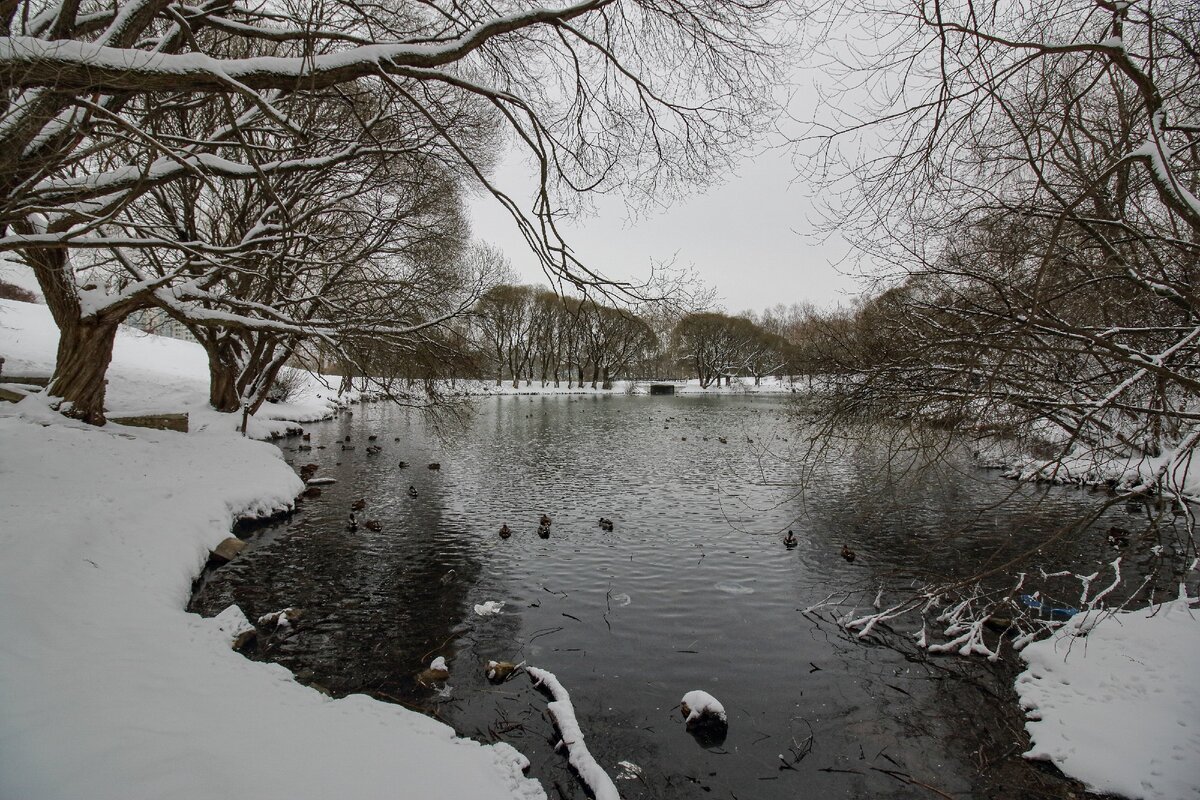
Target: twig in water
(903, 778)
(543, 632)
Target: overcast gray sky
(750, 237)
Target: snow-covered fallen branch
(563, 713)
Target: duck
(374, 525)
(435, 465)
(1118, 537)
(412, 491)
(606, 524)
(402, 464)
(722, 440)
(372, 438)
(848, 554)
(544, 521)
(505, 531)
(790, 540)
(544, 531)
(359, 504)
(372, 449)
(352, 523)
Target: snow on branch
(563, 713)
(28, 62)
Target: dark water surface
(693, 589)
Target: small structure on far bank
(662, 388)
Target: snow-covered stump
(563, 714)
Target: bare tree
(604, 94)
(1025, 178)
(1037, 194)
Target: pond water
(692, 589)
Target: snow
(155, 374)
(16, 273)
(109, 689)
(563, 713)
(702, 704)
(1131, 472)
(1113, 701)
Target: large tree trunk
(85, 343)
(222, 377)
(222, 386)
(84, 352)
(607, 384)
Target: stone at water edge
(436, 672)
(499, 671)
(280, 619)
(699, 707)
(228, 550)
(245, 639)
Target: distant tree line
(529, 333)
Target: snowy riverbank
(1117, 704)
(109, 689)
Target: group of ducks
(543, 530)
(790, 542)
(352, 523)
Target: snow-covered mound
(1117, 704)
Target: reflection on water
(691, 589)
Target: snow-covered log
(563, 713)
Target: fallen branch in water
(563, 714)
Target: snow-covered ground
(1180, 473)
(1117, 704)
(108, 688)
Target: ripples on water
(693, 588)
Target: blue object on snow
(1055, 612)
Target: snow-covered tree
(1032, 181)
(636, 95)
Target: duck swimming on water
(505, 532)
(412, 491)
(848, 554)
(790, 540)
